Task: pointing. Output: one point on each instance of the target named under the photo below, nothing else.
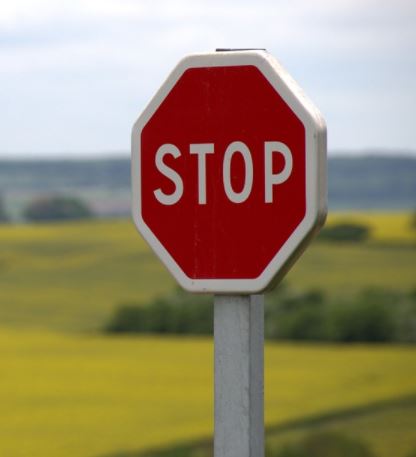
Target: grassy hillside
(65, 396)
(71, 276)
(387, 428)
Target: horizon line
(124, 154)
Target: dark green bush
(345, 232)
(299, 316)
(128, 318)
(413, 223)
(369, 318)
(406, 319)
(56, 208)
(412, 454)
(375, 316)
(181, 314)
(4, 217)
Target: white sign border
(316, 192)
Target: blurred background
(101, 355)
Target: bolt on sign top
(229, 172)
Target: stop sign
(228, 172)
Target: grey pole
(239, 368)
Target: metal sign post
(239, 368)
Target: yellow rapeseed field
(66, 396)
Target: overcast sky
(75, 75)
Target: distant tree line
(4, 216)
(180, 313)
(56, 208)
(50, 208)
(372, 316)
(345, 231)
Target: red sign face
(220, 169)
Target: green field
(67, 390)
(72, 276)
(387, 427)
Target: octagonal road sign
(229, 172)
